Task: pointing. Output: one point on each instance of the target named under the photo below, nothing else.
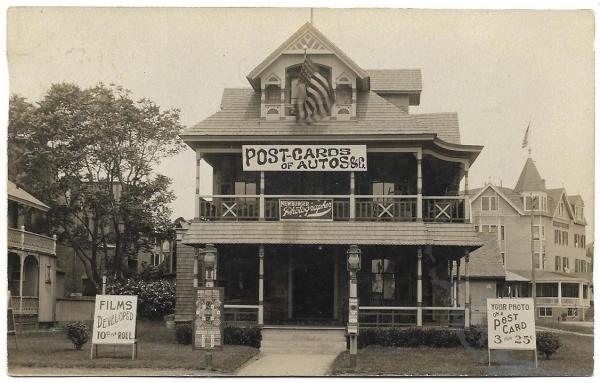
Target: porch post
(261, 278)
(457, 282)
(580, 300)
(467, 292)
(197, 201)
(21, 267)
(290, 286)
(261, 201)
(559, 293)
(419, 187)
(419, 287)
(467, 203)
(352, 197)
(336, 279)
(452, 295)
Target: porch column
(290, 286)
(261, 278)
(452, 292)
(419, 187)
(457, 282)
(352, 197)
(467, 203)
(419, 287)
(336, 279)
(580, 294)
(261, 201)
(196, 255)
(467, 292)
(282, 100)
(197, 202)
(21, 267)
(559, 293)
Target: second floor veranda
(396, 187)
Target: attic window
(343, 94)
(291, 81)
(272, 94)
(561, 209)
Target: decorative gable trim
(499, 193)
(308, 40)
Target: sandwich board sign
(208, 318)
(115, 321)
(511, 325)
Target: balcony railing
(384, 208)
(241, 315)
(563, 301)
(25, 305)
(25, 240)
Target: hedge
(243, 336)
(408, 337)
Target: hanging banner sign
(114, 319)
(306, 209)
(208, 318)
(511, 324)
(304, 158)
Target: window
(538, 232)
(549, 290)
(477, 228)
(343, 94)
(556, 263)
(383, 188)
(576, 239)
(536, 258)
(561, 209)
(489, 228)
(565, 238)
(537, 202)
(489, 203)
(565, 264)
(503, 254)
(272, 94)
(545, 311)
(502, 235)
(383, 282)
(579, 212)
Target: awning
(333, 233)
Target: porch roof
(548, 276)
(333, 233)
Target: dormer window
(343, 94)
(272, 94)
(536, 202)
(271, 98)
(561, 209)
(578, 212)
(292, 75)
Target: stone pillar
(419, 287)
(197, 202)
(467, 292)
(352, 196)
(261, 203)
(419, 187)
(261, 279)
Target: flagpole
(530, 137)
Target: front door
(313, 286)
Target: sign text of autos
(304, 157)
(114, 319)
(511, 324)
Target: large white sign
(304, 158)
(114, 319)
(511, 324)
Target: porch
(308, 285)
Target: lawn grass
(574, 358)
(157, 349)
(567, 326)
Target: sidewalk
(51, 371)
(288, 365)
(561, 331)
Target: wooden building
(397, 198)
(563, 269)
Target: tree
(90, 154)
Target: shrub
(409, 337)
(547, 343)
(183, 333)
(476, 336)
(78, 333)
(155, 298)
(243, 336)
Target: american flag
(315, 95)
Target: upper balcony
(25, 240)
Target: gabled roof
(240, 116)
(530, 178)
(514, 200)
(554, 197)
(575, 199)
(486, 262)
(395, 80)
(315, 40)
(19, 195)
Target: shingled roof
(17, 194)
(395, 80)
(486, 262)
(240, 116)
(530, 178)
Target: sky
(500, 70)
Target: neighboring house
(556, 222)
(403, 210)
(32, 263)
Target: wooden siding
(185, 283)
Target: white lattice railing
(29, 305)
(26, 240)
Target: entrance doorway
(313, 287)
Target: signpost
(316, 158)
(511, 325)
(115, 322)
(306, 209)
(208, 318)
